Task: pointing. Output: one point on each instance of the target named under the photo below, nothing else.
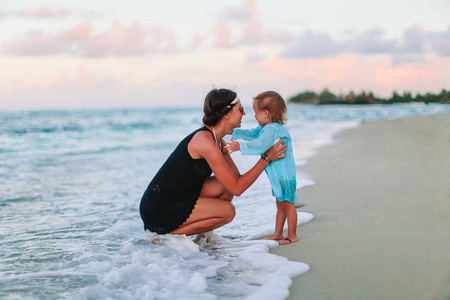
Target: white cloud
(370, 42)
(440, 42)
(410, 47)
(311, 44)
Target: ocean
(70, 186)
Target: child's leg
(291, 214)
(279, 222)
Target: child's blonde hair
(274, 104)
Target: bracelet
(264, 156)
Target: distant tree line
(326, 97)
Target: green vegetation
(326, 97)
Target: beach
(374, 225)
(381, 206)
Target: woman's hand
(277, 151)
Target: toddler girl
(270, 112)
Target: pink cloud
(44, 12)
(160, 39)
(253, 30)
(35, 44)
(253, 33)
(38, 43)
(246, 12)
(256, 33)
(222, 33)
(118, 40)
(80, 31)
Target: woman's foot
(287, 240)
(275, 237)
(205, 235)
(198, 237)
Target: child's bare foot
(287, 240)
(275, 237)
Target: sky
(107, 54)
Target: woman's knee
(229, 212)
(213, 188)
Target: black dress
(172, 194)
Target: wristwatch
(264, 156)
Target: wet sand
(381, 206)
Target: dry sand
(382, 214)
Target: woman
(183, 197)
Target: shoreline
(381, 205)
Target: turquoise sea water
(70, 185)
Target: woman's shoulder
(200, 131)
(202, 134)
(201, 142)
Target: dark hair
(217, 104)
(274, 104)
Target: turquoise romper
(282, 172)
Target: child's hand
(232, 146)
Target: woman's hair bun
(217, 104)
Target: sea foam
(155, 266)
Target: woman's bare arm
(230, 161)
(204, 146)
